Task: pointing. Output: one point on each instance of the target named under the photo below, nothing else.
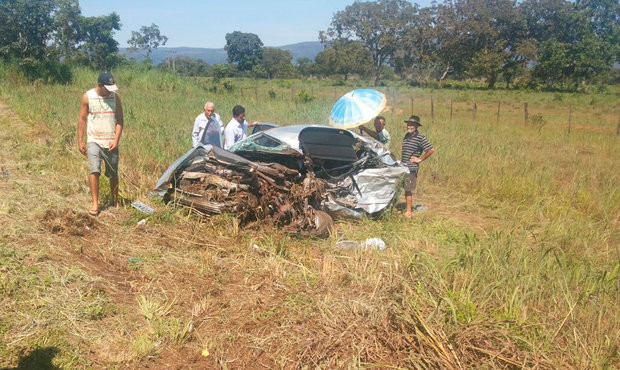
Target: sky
(204, 24)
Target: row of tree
(554, 43)
(44, 36)
(551, 41)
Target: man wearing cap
(380, 133)
(208, 127)
(101, 117)
(414, 144)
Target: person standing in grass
(414, 144)
(235, 129)
(101, 117)
(380, 133)
(208, 127)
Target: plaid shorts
(96, 154)
(411, 181)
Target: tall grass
(518, 257)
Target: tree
(591, 59)
(243, 49)
(100, 47)
(25, 28)
(344, 57)
(221, 70)
(186, 66)
(579, 42)
(494, 29)
(68, 30)
(553, 62)
(524, 52)
(379, 26)
(305, 66)
(416, 56)
(26, 34)
(277, 63)
(551, 20)
(148, 38)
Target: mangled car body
(295, 177)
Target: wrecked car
(295, 177)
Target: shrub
(47, 70)
(303, 97)
(228, 85)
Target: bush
(303, 97)
(271, 93)
(47, 71)
(228, 85)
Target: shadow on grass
(40, 358)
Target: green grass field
(515, 264)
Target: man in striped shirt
(101, 118)
(414, 144)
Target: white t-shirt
(213, 135)
(234, 132)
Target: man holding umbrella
(414, 144)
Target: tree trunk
(445, 73)
(377, 75)
(492, 80)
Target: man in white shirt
(208, 127)
(235, 130)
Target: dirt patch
(68, 222)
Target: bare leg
(94, 191)
(114, 191)
(408, 202)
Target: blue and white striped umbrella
(356, 108)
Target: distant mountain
(307, 49)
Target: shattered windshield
(260, 142)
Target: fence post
(256, 93)
(525, 111)
(335, 96)
(432, 109)
(474, 109)
(618, 128)
(499, 104)
(570, 116)
(412, 106)
(450, 109)
(292, 93)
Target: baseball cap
(107, 80)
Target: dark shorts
(411, 181)
(96, 154)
